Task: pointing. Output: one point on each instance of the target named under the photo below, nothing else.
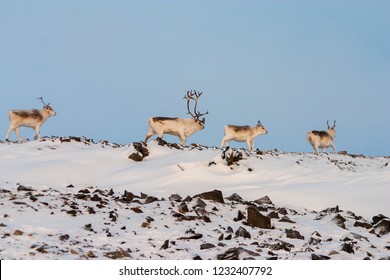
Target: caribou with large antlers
(322, 139)
(29, 118)
(243, 133)
(183, 128)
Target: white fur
(243, 134)
(183, 128)
(28, 118)
(323, 142)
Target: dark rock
(136, 157)
(231, 254)
(348, 247)
(286, 219)
(383, 227)
(362, 224)
(332, 210)
(183, 208)
(137, 210)
(18, 232)
(197, 258)
(200, 203)
(64, 237)
(293, 234)
(127, 197)
(195, 236)
(175, 197)
(256, 219)
(314, 241)
(214, 195)
(150, 199)
(282, 211)
(235, 197)
(280, 245)
(119, 254)
(95, 197)
(339, 221)
(24, 189)
(206, 246)
(273, 215)
(165, 245)
(242, 232)
(42, 249)
(72, 213)
(263, 200)
(140, 148)
(235, 253)
(378, 218)
(316, 233)
(240, 216)
(206, 219)
(319, 257)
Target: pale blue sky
(107, 66)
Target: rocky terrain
(77, 221)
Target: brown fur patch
(238, 128)
(322, 134)
(159, 119)
(34, 114)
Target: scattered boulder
(141, 152)
(235, 197)
(18, 232)
(339, 221)
(256, 219)
(175, 198)
(286, 219)
(383, 227)
(195, 236)
(319, 257)
(348, 247)
(183, 208)
(214, 195)
(236, 253)
(22, 188)
(118, 254)
(150, 199)
(293, 234)
(378, 218)
(136, 157)
(362, 224)
(165, 245)
(263, 200)
(231, 158)
(206, 246)
(242, 232)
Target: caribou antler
(194, 96)
(41, 98)
(334, 124)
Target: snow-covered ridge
(72, 197)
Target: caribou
(244, 133)
(181, 127)
(322, 139)
(29, 118)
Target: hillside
(73, 198)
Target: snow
(55, 170)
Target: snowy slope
(72, 198)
